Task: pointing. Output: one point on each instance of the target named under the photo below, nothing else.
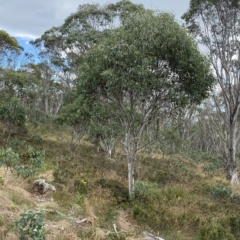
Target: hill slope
(176, 197)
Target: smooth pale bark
(216, 24)
(130, 147)
(231, 167)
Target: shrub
(16, 144)
(234, 223)
(26, 164)
(119, 191)
(1, 180)
(209, 168)
(80, 185)
(31, 226)
(214, 232)
(13, 114)
(144, 188)
(8, 158)
(79, 199)
(62, 174)
(36, 138)
(235, 198)
(220, 193)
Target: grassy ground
(177, 197)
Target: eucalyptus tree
(147, 67)
(9, 48)
(64, 46)
(13, 116)
(74, 113)
(216, 24)
(104, 129)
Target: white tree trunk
(131, 178)
(130, 147)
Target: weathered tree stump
(41, 186)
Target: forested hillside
(132, 117)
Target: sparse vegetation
(170, 193)
(26, 164)
(31, 226)
(120, 135)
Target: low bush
(26, 164)
(36, 138)
(214, 232)
(31, 226)
(144, 188)
(119, 191)
(220, 193)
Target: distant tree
(64, 46)
(145, 68)
(9, 47)
(216, 24)
(104, 129)
(74, 114)
(13, 115)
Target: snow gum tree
(146, 67)
(216, 24)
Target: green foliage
(9, 158)
(80, 186)
(170, 141)
(13, 113)
(235, 198)
(1, 180)
(16, 143)
(143, 188)
(26, 164)
(202, 187)
(2, 220)
(79, 199)
(201, 156)
(141, 67)
(220, 193)
(214, 232)
(31, 226)
(88, 234)
(126, 8)
(119, 191)
(36, 138)
(209, 168)
(31, 162)
(8, 42)
(167, 170)
(234, 223)
(211, 163)
(106, 64)
(61, 175)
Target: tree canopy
(148, 66)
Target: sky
(29, 19)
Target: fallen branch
(81, 221)
(115, 231)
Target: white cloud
(31, 18)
